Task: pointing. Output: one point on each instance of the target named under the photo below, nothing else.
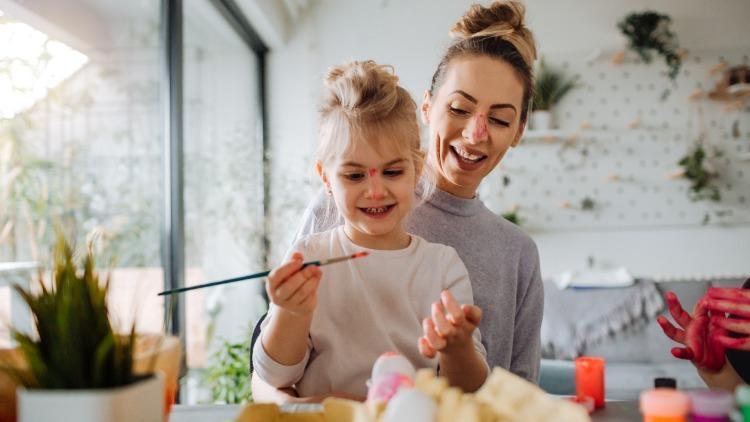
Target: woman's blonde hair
(362, 102)
(497, 31)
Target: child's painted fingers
(716, 350)
(454, 313)
(435, 341)
(739, 326)
(682, 353)
(697, 332)
(443, 327)
(282, 272)
(670, 330)
(741, 343)
(676, 310)
(425, 349)
(735, 294)
(473, 314)
(734, 307)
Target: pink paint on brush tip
(360, 254)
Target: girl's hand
(450, 327)
(696, 334)
(294, 288)
(735, 301)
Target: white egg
(412, 405)
(390, 363)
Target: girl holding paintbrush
(326, 327)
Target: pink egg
(392, 362)
(387, 385)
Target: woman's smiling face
(474, 117)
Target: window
(81, 135)
(223, 172)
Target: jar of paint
(664, 405)
(742, 395)
(665, 382)
(590, 379)
(711, 405)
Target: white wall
(411, 36)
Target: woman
(476, 108)
(717, 345)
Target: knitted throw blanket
(577, 319)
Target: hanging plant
(649, 32)
(588, 204)
(700, 174)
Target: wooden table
(613, 411)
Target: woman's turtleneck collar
(455, 205)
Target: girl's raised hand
(294, 288)
(450, 327)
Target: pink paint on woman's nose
(480, 127)
(372, 172)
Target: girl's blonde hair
(362, 102)
(497, 31)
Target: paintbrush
(319, 263)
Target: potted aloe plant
(77, 367)
(550, 86)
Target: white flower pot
(541, 120)
(142, 401)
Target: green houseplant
(649, 32)
(550, 86)
(701, 176)
(77, 367)
(227, 375)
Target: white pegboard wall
(625, 170)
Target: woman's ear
(425, 109)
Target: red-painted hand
(695, 332)
(735, 301)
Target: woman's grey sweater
(503, 265)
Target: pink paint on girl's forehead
(480, 127)
(372, 172)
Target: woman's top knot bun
(503, 20)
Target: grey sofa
(633, 357)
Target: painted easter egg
(392, 363)
(412, 405)
(387, 385)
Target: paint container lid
(711, 402)
(664, 402)
(665, 382)
(742, 395)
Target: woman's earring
(330, 192)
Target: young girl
(326, 327)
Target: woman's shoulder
(506, 232)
